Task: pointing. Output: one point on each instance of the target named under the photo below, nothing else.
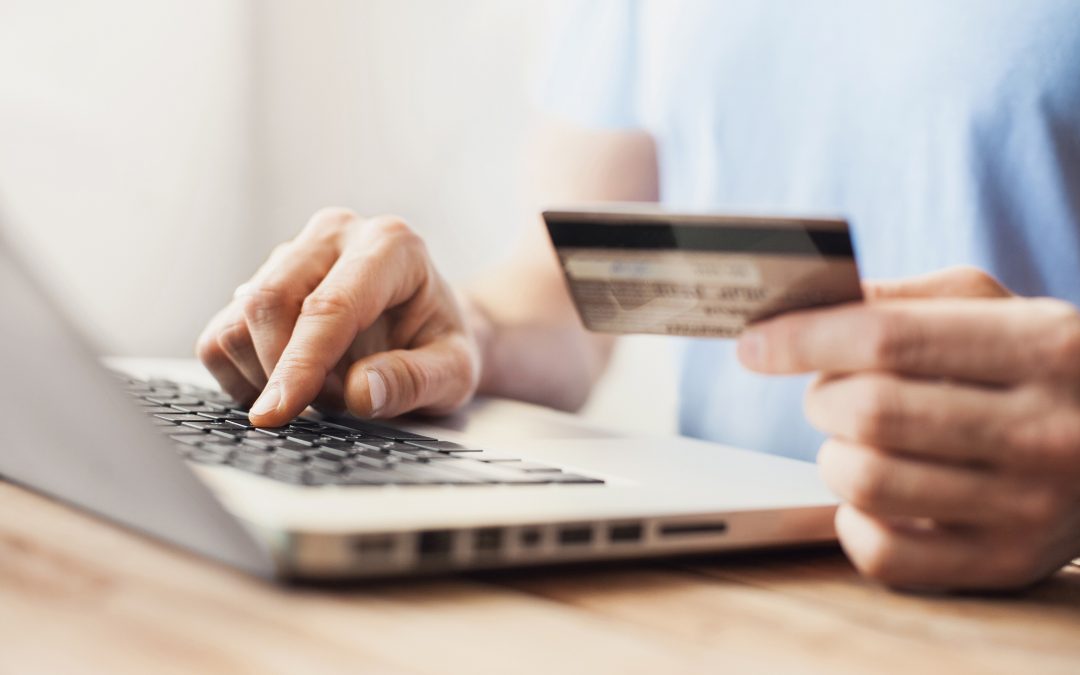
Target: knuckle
(978, 281)
(265, 302)
(786, 350)
(328, 222)
(890, 341)
(395, 232)
(326, 304)
(234, 338)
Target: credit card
(651, 271)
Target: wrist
(481, 330)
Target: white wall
(123, 157)
(152, 153)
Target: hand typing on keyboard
(351, 313)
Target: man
(948, 132)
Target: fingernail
(751, 348)
(268, 401)
(376, 390)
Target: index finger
(992, 341)
(373, 274)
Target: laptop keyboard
(207, 427)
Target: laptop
(335, 498)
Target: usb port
(530, 538)
(435, 543)
(575, 535)
(625, 533)
(488, 539)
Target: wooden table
(80, 596)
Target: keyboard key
(418, 453)
(338, 434)
(206, 425)
(379, 431)
(230, 416)
(249, 459)
(439, 445)
(219, 407)
(287, 471)
(383, 446)
(328, 465)
(333, 444)
(200, 408)
(260, 441)
(158, 410)
(206, 413)
(289, 454)
(329, 453)
(301, 423)
(308, 440)
(203, 456)
(224, 449)
(276, 432)
(160, 399)
(179, 418)
(226, 434)
(377, 462)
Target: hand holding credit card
(641, 270)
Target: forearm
(544, 355)
(532, 344)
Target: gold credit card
(650, 271)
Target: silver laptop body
(71, 433)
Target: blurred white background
(152, 153)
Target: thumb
(436, 378)
(952, 282)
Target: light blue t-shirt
(947, 131)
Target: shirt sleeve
(589, 72)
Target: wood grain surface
(78, 595)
